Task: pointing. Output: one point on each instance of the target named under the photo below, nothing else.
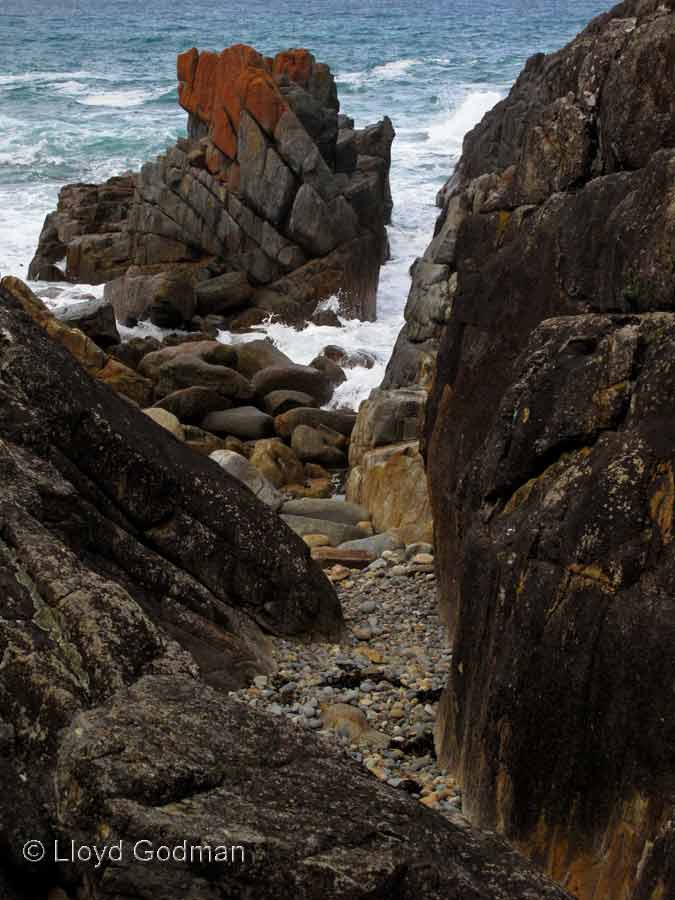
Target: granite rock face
(256, 209)
(550, 451)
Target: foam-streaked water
(87, 90)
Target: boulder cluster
(273, 203)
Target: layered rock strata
(273, 203)
(550, 457)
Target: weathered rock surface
(390, 482)
(243, 470)
(314, 824)
(118, 558)
(387, 417)
(96, 318)
(94, 361)
(335, 419)
(550, 458)
(256, 209)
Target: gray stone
(246, 422)
(317, 445)
(240, 468)
(279, 402)
(95, 317)
(336, 532)
(294, 378)
(191, 405)
(331, 509)
(377, 544)
(223, 293)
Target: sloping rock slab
(314, 824)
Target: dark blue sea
(88, 89)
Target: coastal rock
(320, 445)
(199, 771)
(246, 423)
(94, 361)
(549, 452)
(118, 559)
(95, 318)
(256, 355)
(337, 420)
(336, 532)
(277, 462)
(87, 231)
(248, 211)
(223, 293)
(390, 482)
(167, 299)
(293, 378)
(240, 468)
(166, 420)
(191, 405)
(387, 417)
(334, 510)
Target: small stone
(260, 681)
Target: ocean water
(88, 90)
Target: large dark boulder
(550, 451)
(313, 824)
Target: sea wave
(447, 132)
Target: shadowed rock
(550, 451)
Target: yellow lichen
(661, 503)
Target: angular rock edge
(550, 450)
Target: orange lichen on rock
(217, 87)
(296, 64)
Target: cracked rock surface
(550, 453)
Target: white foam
(392, 70)
(44, 77)
(117, 99)
(447, 131)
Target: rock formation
(550, 457)
(139, 584)
(272, 204)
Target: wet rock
(223, 293)
(95, 318)
(167, 298)
(279, 402)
